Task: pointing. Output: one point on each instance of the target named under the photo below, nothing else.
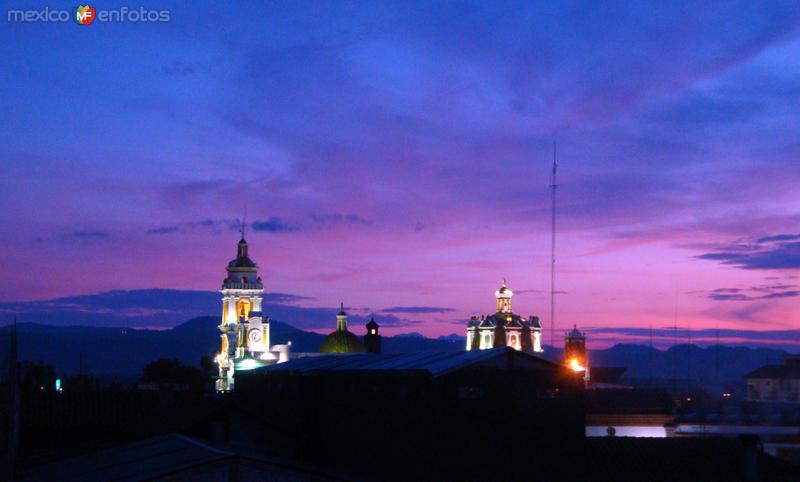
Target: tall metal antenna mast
(675, 347)
(651, 353)
(689, 349)
(553, 187)
(716, 355)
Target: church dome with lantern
(504, 327)
(341, 340)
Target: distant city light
(58, 385)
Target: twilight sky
(397, 158)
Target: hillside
(120, 353)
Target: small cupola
(503, 296)
(341, 319)
(372, 327)
(372, 340)
(241, 249)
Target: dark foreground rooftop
(175, 457)
(681, 459)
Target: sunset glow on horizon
(398, 160)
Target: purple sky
(399, 157)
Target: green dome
(341, 342)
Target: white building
(504, 328)
(244, 329)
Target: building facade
(775, 383)
(244, 328)
(504, 328)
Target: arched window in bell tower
(243, 308)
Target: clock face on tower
(255, 336)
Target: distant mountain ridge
(111, 352)
(120, 353)
(60, 336)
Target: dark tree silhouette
(208, 367)
(37, 376)
(170, 371)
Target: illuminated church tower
(575, 352)
(504, 328)
(244, 329)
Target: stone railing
(242, 286)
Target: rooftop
(434, 363)
(775, 371)
(165, 456)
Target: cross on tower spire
(243, 226)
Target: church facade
(244, 328)
(504, 327)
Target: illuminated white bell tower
(244, 329)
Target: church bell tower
(244, 329)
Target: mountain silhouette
(56, 332)
(120, 353)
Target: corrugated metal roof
(136, 461)
(176, 456)
(435, 363)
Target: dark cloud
(779, 237)
(162, 230)
(285, 298)
(274, 225)
(91, 234)
(670, 334)
(742, 297)
(338, 218)
(383, 320)
(167, 308)
(772, 288)
(208, 224)
(417, 309)
(770, 252)
(755, 293)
